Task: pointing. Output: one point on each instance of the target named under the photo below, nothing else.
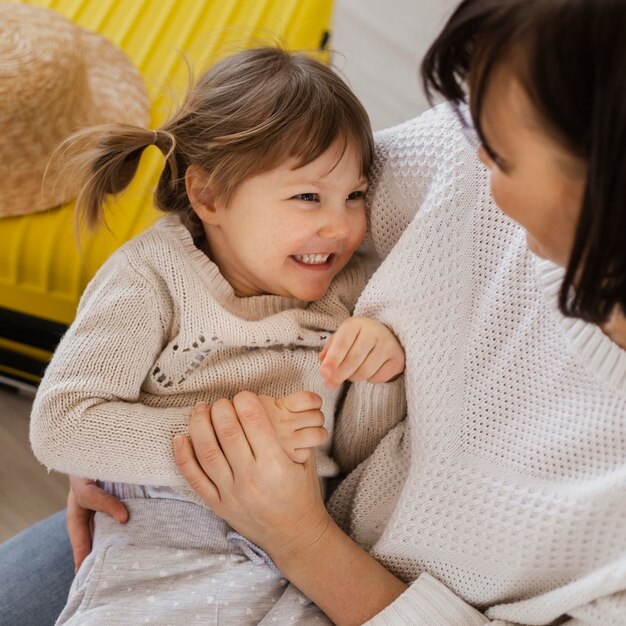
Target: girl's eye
(307, 197)
(356, 195)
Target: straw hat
(54, 79)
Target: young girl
(239, 288)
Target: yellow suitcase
(42, 273)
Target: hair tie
(154, 136)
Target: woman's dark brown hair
(570, 57)
(246, 114)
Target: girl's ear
(201, 197)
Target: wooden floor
(27, 492)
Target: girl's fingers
(388, 370)
(361, 351)
(372, 364)
(300, 455)
(297, 421)
(300, 401)
(341, 344)
(193, 473)
(309, 438)
(326, 347)
(310, 419)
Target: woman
(504, 489)
(501, 497)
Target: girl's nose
(336, 225)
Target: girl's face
(534, 180)
(287, 231)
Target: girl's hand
(234, 460)
(361, 349)
(83, 499)
(298, 422)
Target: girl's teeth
(312, 259)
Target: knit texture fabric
(507, 481)
(159, 329)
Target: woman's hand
(83, 499)
(238, 466)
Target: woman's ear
(201, 197)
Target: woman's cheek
(499, 195)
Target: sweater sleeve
(87, 418)
(428, 602)
(606, 611)
(407, 168)
(368, 413)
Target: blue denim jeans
(36, 571)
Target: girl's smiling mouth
(314, 261)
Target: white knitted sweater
(159, 329)
(506, 486)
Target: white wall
(378, 47)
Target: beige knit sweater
(505, 489)
(159, 329)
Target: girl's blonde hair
(245, 115)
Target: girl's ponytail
(105, 158)
(107, 167)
